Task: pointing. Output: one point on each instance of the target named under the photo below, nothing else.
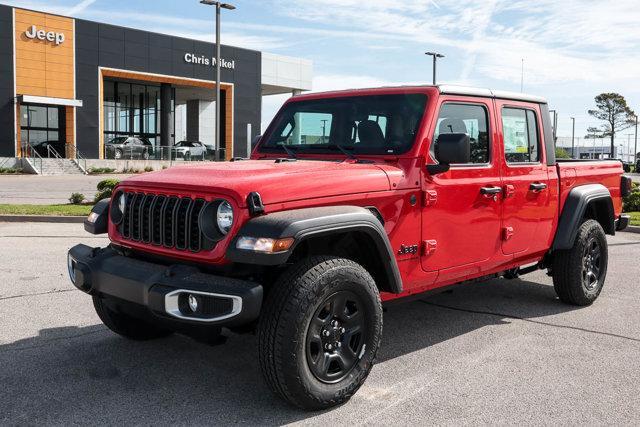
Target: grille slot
(167, 221)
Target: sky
(571, 50)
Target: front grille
(167, 221)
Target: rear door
(462, 207)
(528, 213)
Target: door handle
(537, 186)
(491, 192)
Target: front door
(527, 212)
(462, 207)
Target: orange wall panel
(42, 67)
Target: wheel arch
(592, 201)
(350, 231)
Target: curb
(42, 218)
(631, 229)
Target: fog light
(71, 266)
(193, 303)
(264, 244)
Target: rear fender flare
(575, 208)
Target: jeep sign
(50, 36)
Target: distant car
(188, 150)
(128, 147)
(46, 148)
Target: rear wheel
(320, 331)
(125, 325)
(579, 272)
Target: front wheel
(579, 272)
(118, 154)
(320, 332)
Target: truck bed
(572, 173)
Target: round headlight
(118, 206)
(122, 203)
(224, 217)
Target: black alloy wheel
(335, 337)
(591, 264)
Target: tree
(594, 132)
(613, 110)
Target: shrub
(76, 198)
(148, 169)
(105, 189)
(631, 203)
(131, 170)
(98, 171)
(561, 153)
(10, 170)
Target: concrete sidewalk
(45, 190)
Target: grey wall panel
(7, 109)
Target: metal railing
(170, 154)
(77, 157)
(33, 157)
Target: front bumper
(622, 222)
(165, 290)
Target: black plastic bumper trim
(106, 272)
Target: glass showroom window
(132, 109)
(40, 123)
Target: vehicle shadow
(79, 375)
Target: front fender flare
(302, 224)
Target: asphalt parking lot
(499, 352)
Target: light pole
(635, 145)
(573, 133)
(435, 56)
(219, 6)
(555, 124)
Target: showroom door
(42, 125)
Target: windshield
(376, 124)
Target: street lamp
(219, 6)
(435, 56)
(555, 124)
(573, 134)
(635, 145)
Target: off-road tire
(568, 266)
(285, 322)
(125, 325)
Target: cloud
(80, 7)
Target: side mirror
(450, 148)
(255, 141)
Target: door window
(519, 127)
(469, 119)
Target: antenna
(522, 76)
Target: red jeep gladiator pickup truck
(350, 199)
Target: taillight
(625, 186)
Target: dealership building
(83, 83)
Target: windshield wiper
(288, 150)
(344, 151)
